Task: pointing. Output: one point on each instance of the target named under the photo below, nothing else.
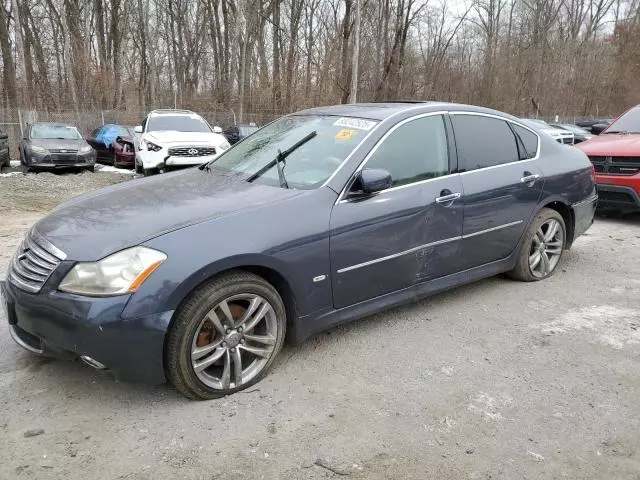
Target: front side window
(328, 142)
(483, 142)
(61, 132)
(415, 151)
(178, 123)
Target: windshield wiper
(279, 161)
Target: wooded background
(527, 57)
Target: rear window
(483, 142)
(529, 141)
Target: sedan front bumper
(66, 326)
(51, 160)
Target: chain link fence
(14, 121)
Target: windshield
(307, 166)
(628, 122)
(179, 123)
(62, 132)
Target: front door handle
(529, 178)
(446, 198)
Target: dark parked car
(114, 145)
(595, 125)
(579, 133)
(322, 217)
(239, 132)
(5, 161)
(55, 145)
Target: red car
(114, 145)
(615, 155)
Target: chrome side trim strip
(400, 254)
(427, 245)
(591, 199)
(499, 227)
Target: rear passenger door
(502, 184)
(408, 233)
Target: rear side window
(483, 142)
(414, 151)
(529, 141)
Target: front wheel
(225, 337)
(541, 248)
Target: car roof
(383, 110)
(53, 124)
(168, 111)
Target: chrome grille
(191, 151)
(34, 262)
(616, 165)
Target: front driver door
(408, 233)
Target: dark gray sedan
(322, 217)
(55, 145)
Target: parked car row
(166, 139)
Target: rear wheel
(541, 248)
(225, 337)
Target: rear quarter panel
(567, 172)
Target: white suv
(176, 138)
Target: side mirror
(217, 129)
(138, 129)
(373, 180)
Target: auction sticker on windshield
(345, 134)
(359, 123)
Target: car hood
(611, 144)
(171, 136)
(56, 144)
(96, 224)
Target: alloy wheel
(546, 248)
(234, 341)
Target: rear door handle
(447, 198)
(529, 178)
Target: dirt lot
(494, 380)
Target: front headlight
(152, 146)
(225, 146)
(120, 273)
(37, 149)
(86, 149)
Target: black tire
(178, 367)
(148, 172)
(139, 169)
(522, 270)
(91, 169)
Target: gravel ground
(43, 191)
(498, 379)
